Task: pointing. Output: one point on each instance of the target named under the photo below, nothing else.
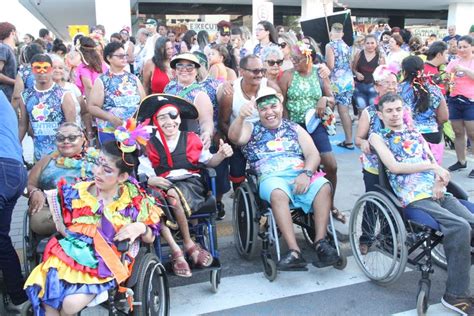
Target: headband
(267, 100)
(305, 49)
(130, 136)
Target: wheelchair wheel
(270, 269)
(246, 226)
(377, 235)
(152, 289)
(215, 280)
(30, 258)
(422, 298)
(439, 257)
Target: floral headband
(383, 71)
(130, 136)
(304, 49)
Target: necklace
(245, 93)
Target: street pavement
(245, 291)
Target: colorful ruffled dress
(87, 261)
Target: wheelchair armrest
(211, 172)
(123, 246)
(457, 191)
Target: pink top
(83, 71)
(463, 85)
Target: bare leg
(168, 237)
(49, 311)
(346, 122)
(459, 140)
(73, 304)
(281, 210)
(470, 133)
(330, 168)
(321, 209)
(181, 219)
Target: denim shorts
(364, 94)
(461, 108)
(222, 174)
(344, 98)
(320, 139)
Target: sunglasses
(279, 62)
(186, 67)
(283, 45)
(225, 33)
(256, 71)
(120, 56)
(173, 114)
(60, 138)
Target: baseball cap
(151, 21)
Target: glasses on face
(120, 56)
(256, 71)
(279, 62)
(259, 29)
(387, 84)
(173, 114)
(60, 138)
(225, 33)
(185, 67)
(283, 45)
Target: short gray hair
(271, 50)
(142, 31)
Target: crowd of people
(270, 106)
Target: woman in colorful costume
(83, 264)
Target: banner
(202, 26)
(74, 29)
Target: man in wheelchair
(285, 159)
(176, 158)
(419, 182)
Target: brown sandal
(203, 259)
(338, 215)
(180, 267)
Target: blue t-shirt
(11, 147)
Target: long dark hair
(272, 35)
(412, 67)
(188, 38)
(159, 57)
(125, 162)
(89, 54)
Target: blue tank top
(45, 113)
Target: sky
(12, 11)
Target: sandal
(293, 260)
(202, 259)
(345, 145)
(180, 266)
(338, 215)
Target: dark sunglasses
(225, 33)
(279, 62)
(256, 71)
(283, 45)
(173, 114)
(187, 67)
(60, 138)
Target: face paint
(101, 162)
(42, 67)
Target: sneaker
(457, 166)
(462, 305)
(471, 174)
(18, 309)
(220, 211)
(326, 253)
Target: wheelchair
(202, 227)
(396, 236)
(148, 283)
(253, 220)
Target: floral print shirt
(303, 94)
(121, 97)
(45, 114)
(342, 79)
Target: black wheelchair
(397, 236)
(148, 283)
(202, 227)
(253, 220)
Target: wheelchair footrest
(319, 264)
(292, 269)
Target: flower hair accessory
(382, 71)
(130, 136)
(305, 49)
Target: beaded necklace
(83, 161)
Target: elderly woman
(285, 159)
(116, 94)
(272, 59)
(306, 88)
(82, 264)
(175, 158)
(44, 107)
(186, 86)
(71, 162)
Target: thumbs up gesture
(224, 149)
(247, 109)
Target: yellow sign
(74, 29)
